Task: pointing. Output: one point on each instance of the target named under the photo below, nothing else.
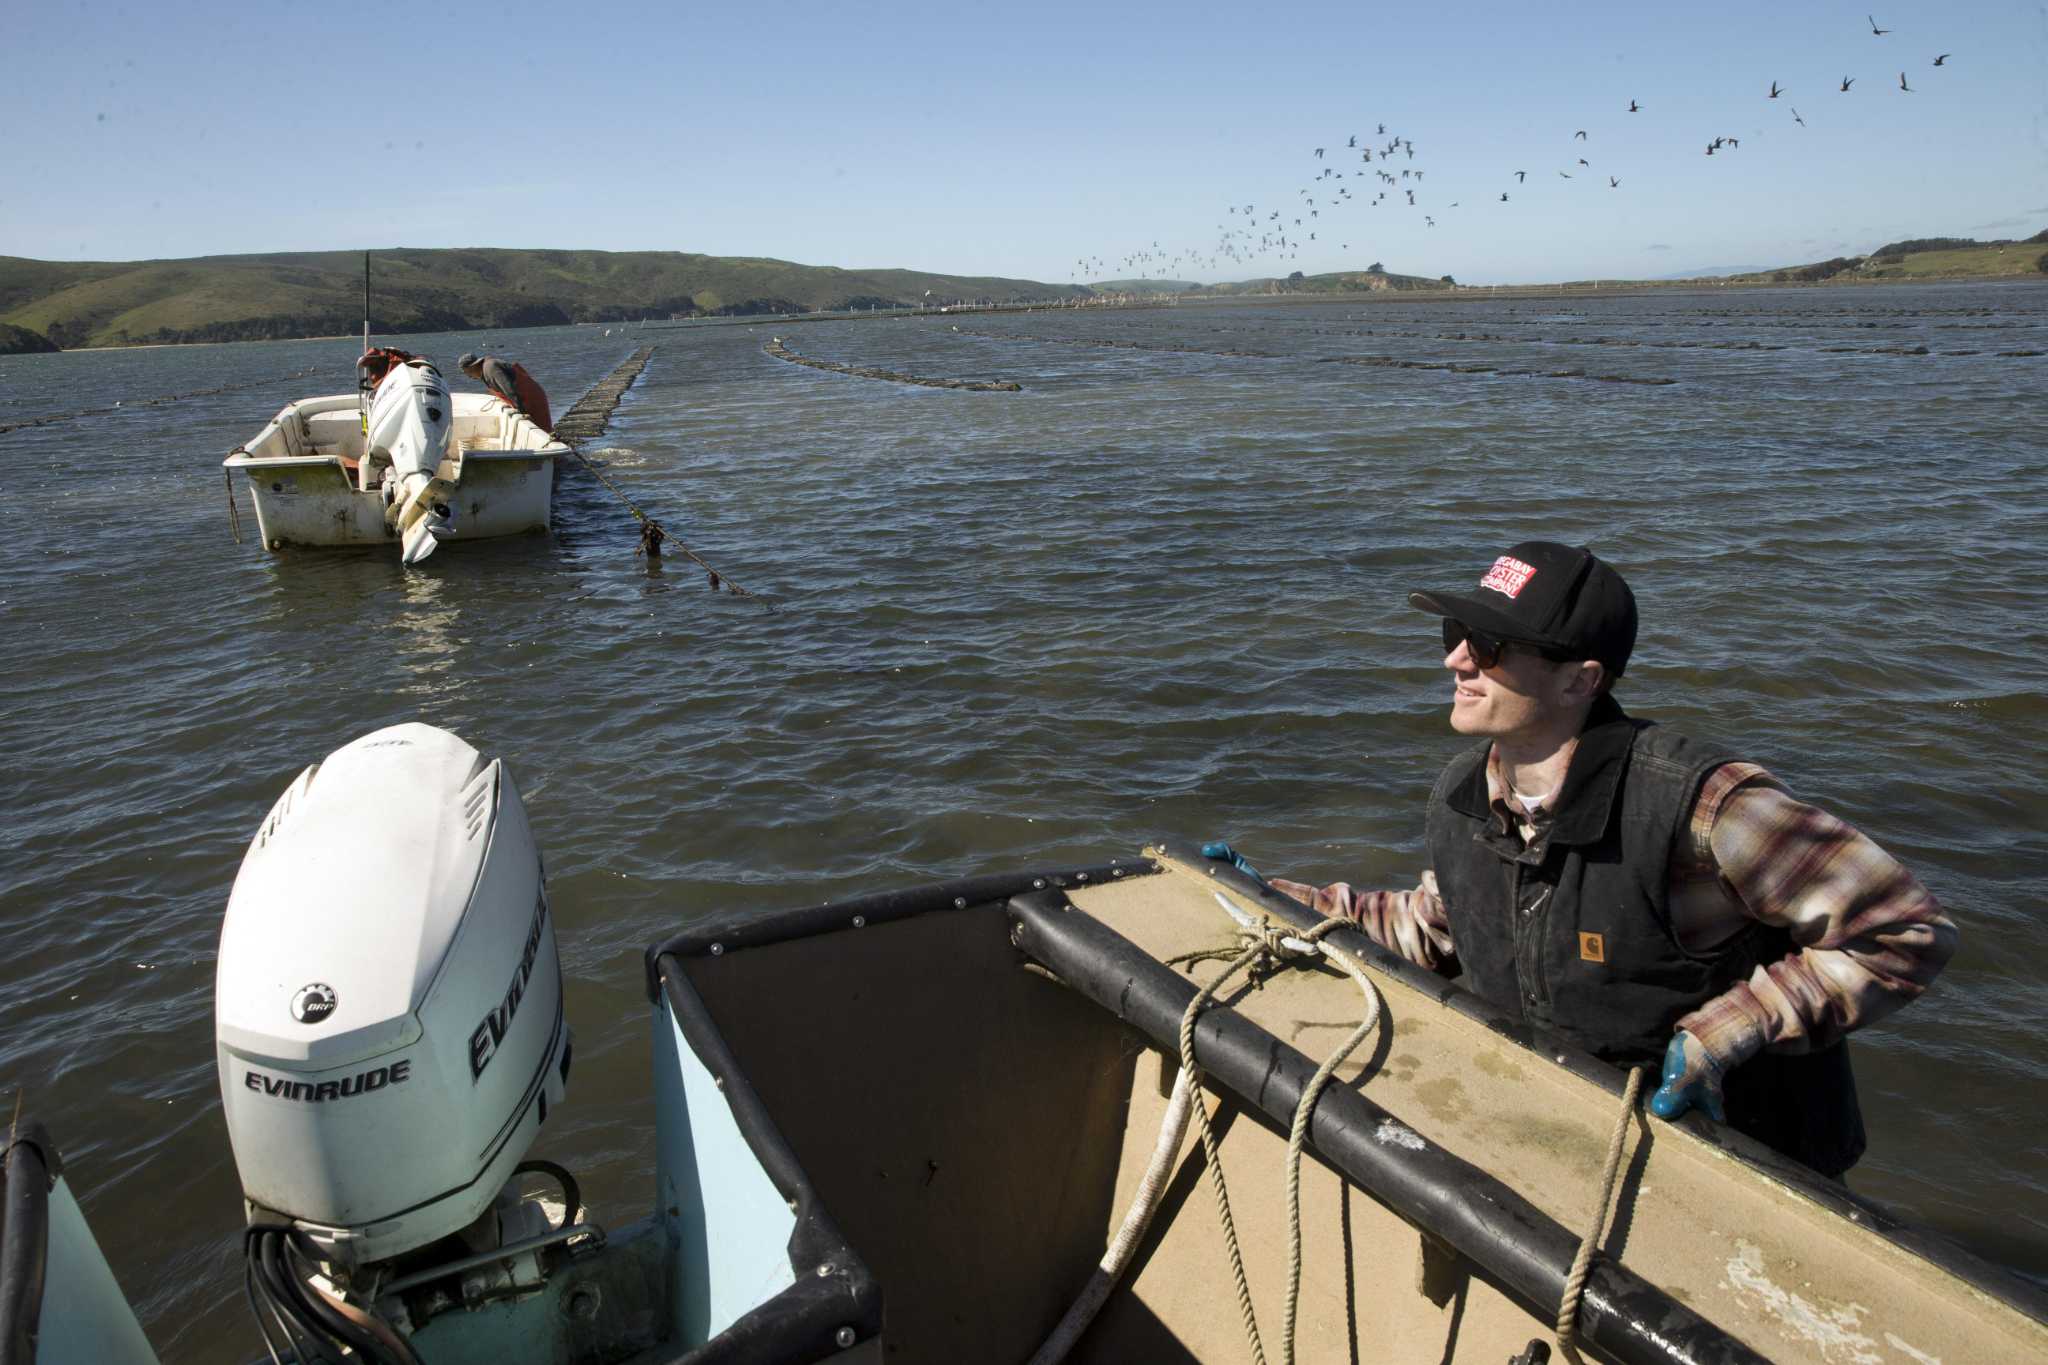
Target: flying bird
(1848, 81)
(1612, 183)
(1795, 116)
(1519, 175)
(1774, 91)
(1634, 108)
(1580, 135)
(1943, 57)
(1875, 31)
(1565, 174)
(1503, 197)
(1584, 162)
(1902, 83)
(1319, 154)
(1710, 149)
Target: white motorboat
(403, 459)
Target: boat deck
(1769, 1261)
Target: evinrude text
(319, 1092)
(483, 1042)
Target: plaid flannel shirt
(1869, 936)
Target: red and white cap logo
(1508, 576)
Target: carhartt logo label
(1592, 948)
(1508, 576)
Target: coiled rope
(1265, 949)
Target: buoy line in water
(1379, 361)
(586, 420)
(153, 402)
(1170, 348)
(777, 349)
(1563, 341)
(1451, 367)
(1676, 345)
(1680, 345)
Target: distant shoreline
(1464, 293)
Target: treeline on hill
(1819, 270)
(1885, 260)
(21, 341)
(297, 294)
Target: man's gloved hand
(1692, 1080)
(1223, 852)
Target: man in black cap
(1644, 895)
(509, 380)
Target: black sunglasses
(1486, 649)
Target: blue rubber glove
(1692, 1080)
(1223, 852)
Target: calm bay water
(1157, 592)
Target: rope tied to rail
(1264, 948)
(1272, 947)
(1582, 1264)
(234, 513)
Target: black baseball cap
(1559, 597)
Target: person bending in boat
(509, 380)
(1646, 895)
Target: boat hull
(305, 477)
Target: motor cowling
(411, 416)
(388, 1001)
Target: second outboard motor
(409, 421)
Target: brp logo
(313, 1003)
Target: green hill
(293, 294)
(1924, 258)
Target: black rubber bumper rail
(1508, 1239)
(737, 929)
(29, 1167)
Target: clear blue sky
(1020, 140)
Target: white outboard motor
(388, 1006)
(410, 418)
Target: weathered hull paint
(308, 502)
(503, 472)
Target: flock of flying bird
(1251, 234)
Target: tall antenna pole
(362, 377)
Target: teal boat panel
(86, 1319)
(727, 1223)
